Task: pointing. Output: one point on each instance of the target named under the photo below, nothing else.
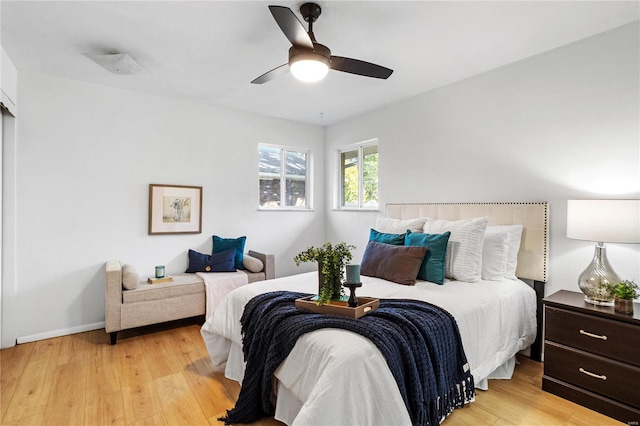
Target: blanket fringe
(225, 419)
(463, 393)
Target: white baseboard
(61, 332)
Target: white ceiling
(209, 51)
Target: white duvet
(336, 377)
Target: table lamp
(602, 221)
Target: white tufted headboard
(533, 216)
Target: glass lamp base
(598, 279)
(598, 302)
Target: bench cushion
(181, 285)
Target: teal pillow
(432, 268)
(381, 237)
(222, 244)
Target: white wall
(86, 156)
(560, 125)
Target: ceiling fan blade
(291, 26)
(270, 75)
(355, 66)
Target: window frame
(360, 147)
(283, 177)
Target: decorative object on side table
(160, 271)
(611, 221)
(624, 292)
(175, 209)
(164, 279)
(331, 265)
(160, 276)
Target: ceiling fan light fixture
(309, 70)
(309, 60)
(309, 65)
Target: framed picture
(175, 209)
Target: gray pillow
(399, 264)
(252, 264)
(130, 277)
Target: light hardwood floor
(163, 376)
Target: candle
(353, 273)
(160, 271)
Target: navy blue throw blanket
(420, 341)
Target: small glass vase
(623, 306)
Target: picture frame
(175, 209)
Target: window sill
(357, 209)
(283, 209)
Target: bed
(329, 368)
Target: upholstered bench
(183, 297)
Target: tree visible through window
(283, 177)
(359, 176)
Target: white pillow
(398, 226)
(253, 264)
(130, 277)
(513, 242)
(494, 256)
(463, 261)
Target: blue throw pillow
(432, 268)
(223, 261)
(222, 244)
(381, 237)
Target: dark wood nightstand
(592, 356)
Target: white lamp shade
(607, 221)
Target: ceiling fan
(309, 60)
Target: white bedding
(335, 368)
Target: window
(359, 176)
(284, 177)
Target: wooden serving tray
(365, 305)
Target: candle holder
(160, 271)
(353, 300)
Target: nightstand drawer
(623, 412)
(609, 378)
(612, 339)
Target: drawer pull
(588, 373)
(595, 336)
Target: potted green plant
(331, 263)
(623, 295)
